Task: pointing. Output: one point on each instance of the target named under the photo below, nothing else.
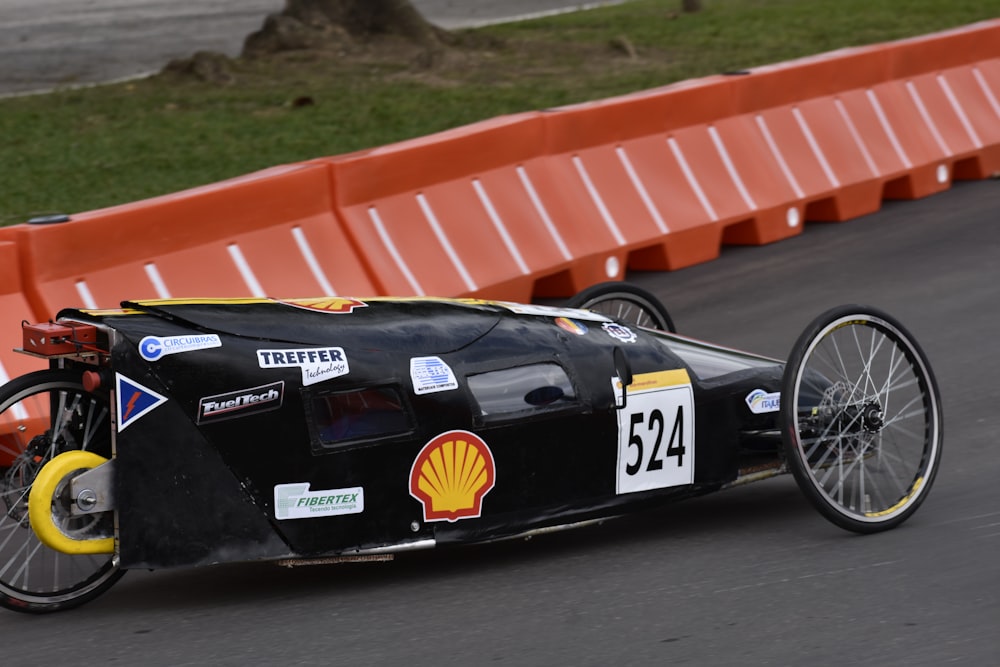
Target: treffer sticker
(317, 363)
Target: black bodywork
(346, 395)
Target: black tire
(861, 419)
(33, 577)
(625, 303)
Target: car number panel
(656, 433)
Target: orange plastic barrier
(942, 93)
(472, 211)
(804, 123)
(14, 308)
(271, 233)
(546, 203)
(631, 183)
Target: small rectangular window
(522, 390)
(363, 414)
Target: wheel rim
(31, 574)
(867, 419)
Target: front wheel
(626, 303)
(861, 419)
(43, 415)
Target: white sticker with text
(317, 363)
(656, 433)
(296, 501)
(431, 374)
(761, 402)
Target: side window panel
(362, 414)
(522, 391)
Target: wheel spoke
(33, 576)
(626, 303)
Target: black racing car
(192, 432)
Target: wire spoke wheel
(625, 303)
(861, 419)
(42, 415)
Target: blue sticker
(619, 332)
(431, 374)
(761, 402)
(152, 348)
(134, 400)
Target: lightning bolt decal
(134, 401)
(131, 405)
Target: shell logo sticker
(451, 475)
(336, 305)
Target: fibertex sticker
(317, 363)
(296, 501)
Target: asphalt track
(750, 576)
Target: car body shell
(251, 429)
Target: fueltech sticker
(241, 402)
(317, 363)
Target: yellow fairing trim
(658, 379)
(40, 504)
(203, 301)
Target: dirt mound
(343, 25)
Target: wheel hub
(872, 417)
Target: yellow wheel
(49, 505)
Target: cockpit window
(363, 414)
(522, 390)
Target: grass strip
(78, 150)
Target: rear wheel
(861, 419)
(43, 415)
(626, 303)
